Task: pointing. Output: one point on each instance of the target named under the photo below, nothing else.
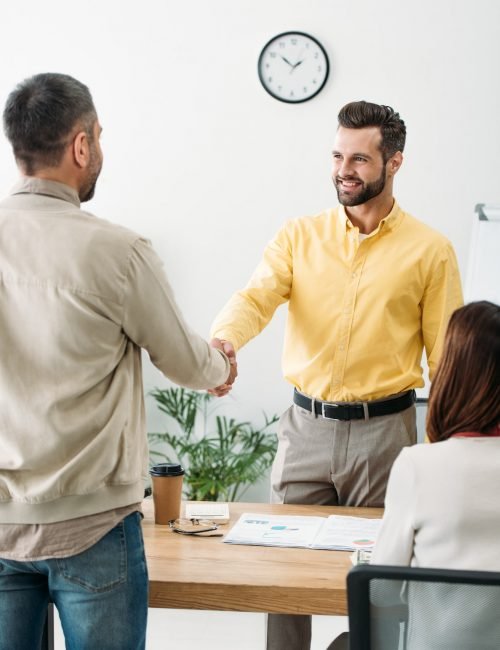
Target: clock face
(293, 67)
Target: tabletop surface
(190, 572)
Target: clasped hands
(228, 349)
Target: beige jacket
(79, 298)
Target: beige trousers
(330, 462)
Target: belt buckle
(332, 406)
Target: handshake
(228, 349)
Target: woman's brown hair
(465, 393)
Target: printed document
(336, 532)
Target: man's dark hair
(40, 114)
(358, 115)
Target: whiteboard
(483, 271)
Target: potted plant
(221, 461)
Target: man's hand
(228, 349)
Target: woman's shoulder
(452, 447)
(425, 452)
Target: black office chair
(405, 608)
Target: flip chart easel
(483, 271)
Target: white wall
(201, 160)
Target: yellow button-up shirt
(359, 312)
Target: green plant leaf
(220, 463)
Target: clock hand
(286, 60)
(297, 64)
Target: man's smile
(346, 183)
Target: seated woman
(442, 506)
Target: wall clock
(293, 67)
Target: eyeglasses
(200, 527)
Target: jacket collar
(32, 185)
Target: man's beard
(87, 192)
(95, 165)
(363, 193)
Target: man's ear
(394, 163)
(81, 149)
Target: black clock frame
(282, 99)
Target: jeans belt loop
(366, 412)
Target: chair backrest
(405, 608)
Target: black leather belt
(355, 410)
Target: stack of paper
(215, 511)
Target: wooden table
(189, 572)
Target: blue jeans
(101, 595)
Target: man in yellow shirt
(368, 287)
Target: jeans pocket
(100, 568)
(6, 569)
(19, 571)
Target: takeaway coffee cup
(167, 489)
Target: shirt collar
(32, 185)
(389, 222)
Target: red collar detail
(475, 434)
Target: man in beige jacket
(79, 298)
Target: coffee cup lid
(166, 469)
